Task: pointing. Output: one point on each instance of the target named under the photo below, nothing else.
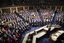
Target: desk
(9, 22)
(44, 27)
(54, 26)
(54, 36)
(38, 36)
(26, 36)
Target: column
(1, 10)
(11, 10)
(61, 8)
(28, 7)
(16, 9)
(55, 7)
(23, 7)
(33, 7)
(46, 7)
(50, 7)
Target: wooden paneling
(13, 9)
(63, 8)
(20, 8)
(31, 7)
(26, 7)
(53, 7)
(58, 7)
(6, 10)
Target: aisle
(43, 40)
(54, 18)
(32, 29)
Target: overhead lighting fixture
(12, 4)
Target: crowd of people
(30, 15)
(12, 32)
(33, 16)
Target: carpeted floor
(40, 40)
(32, 29)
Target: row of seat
(12, 32)
(19, 23)
(47, 15)
(57, 37)
(9, 35)
(31, 15)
